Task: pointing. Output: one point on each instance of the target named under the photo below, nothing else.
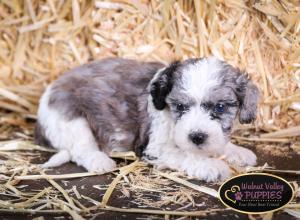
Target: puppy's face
(204, 96)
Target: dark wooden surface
(290, 161)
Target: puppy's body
(98, 106)
(119, 104)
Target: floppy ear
(248, 96)
(162, 85)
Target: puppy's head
(204, 96)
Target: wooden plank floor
(85, 187)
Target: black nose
(198, 137)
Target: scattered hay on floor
(16, 167)
(151, 191)
(40, 40)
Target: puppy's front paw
(98, 162)
(240, 156)
(210, 170)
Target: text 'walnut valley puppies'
(181, 115)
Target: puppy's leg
(239, 156)
(72, 137)
(84, 148)
(77, 143)
(194, 165)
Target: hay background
(39, 40)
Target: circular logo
(255, 193)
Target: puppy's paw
(240, 156)
(98, 162)
(58, 159)
(210, 170)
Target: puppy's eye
(219, 108)
(181, 107)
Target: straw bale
(39, 40)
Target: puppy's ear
(162, 85)
(248, 96)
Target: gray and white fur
(179, 115)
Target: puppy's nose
(198, 137)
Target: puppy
(180, 116)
